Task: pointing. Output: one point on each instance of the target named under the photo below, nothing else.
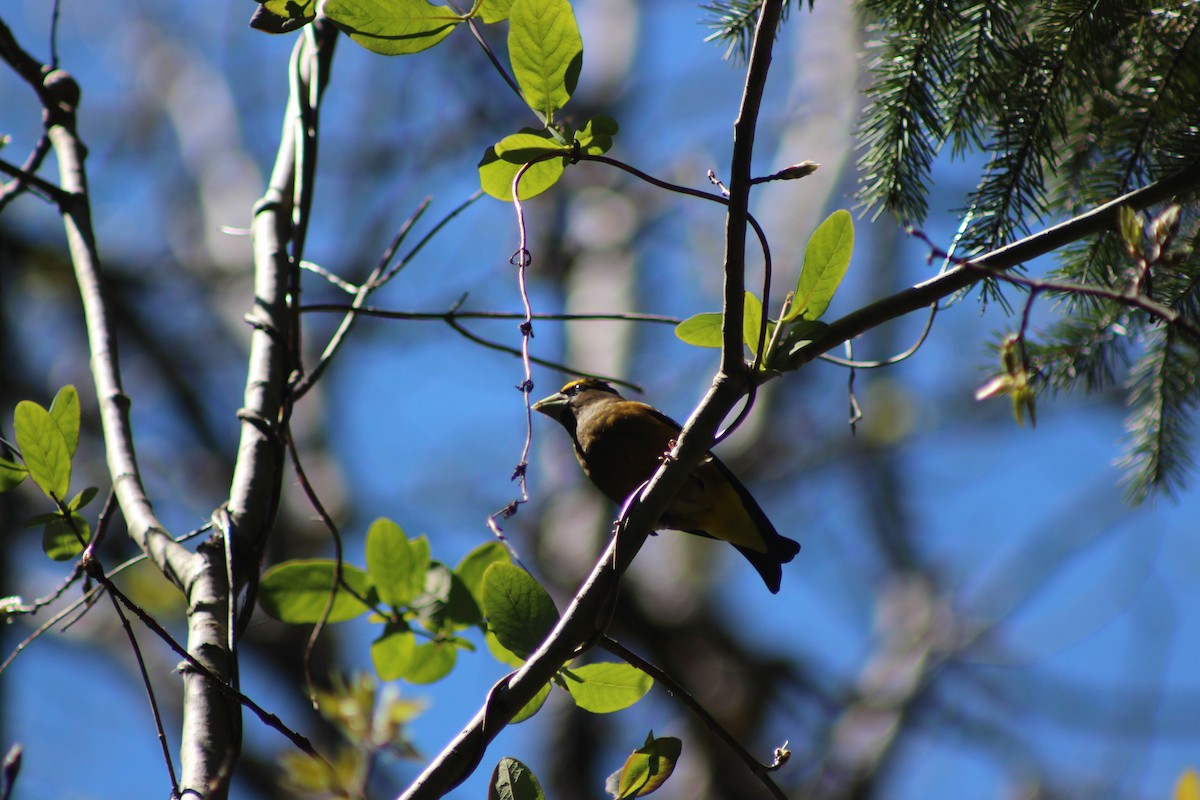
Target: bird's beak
(554, 406)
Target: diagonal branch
(1098, 220)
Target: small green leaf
(826, 259)
(596, 137)
(1130, 223)
(796, 336)
(702, 330)
(392, 27)
(391, 564)
(431, 662)
(44, 448)
(470, 570)
(512, 780)
(392, 653)
(11, 474)
(518, 609)
(502, 653)
(751, 321)
(64, 410)
(646, 769)
(494, 10)
(546, 52)
(81, 500)
(282, 16)
(523, 147)
(61, 540)
(297, 591)
(501, 163)
(533, 706)
(605, 687)
(446, 605)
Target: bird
(620, 444)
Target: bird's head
(566, 405)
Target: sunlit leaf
(826, 259)
(64, 410)
(431, 662)
(63, 540)
(646, 769)
(11, 474)
(702, 330)
(546, 53)
(512, 780)
(297, 591)
(518, 609)
(392, 27)
(605, 687)
(394, 569)
(44, 448)
(392, 653)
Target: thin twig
(761, 771)
(338, 566)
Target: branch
(1096, 221)
(59, 94)
(744, 129)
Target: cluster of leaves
(646, 770)
(414, 597)
(45, 444)
(826, 259)
(371, 721)
(545, 52)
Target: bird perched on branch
(620, 444)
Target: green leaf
(512, 780)
(297, 591)
(646, 769)
(518, 609)
(526, 146)
(446, 604)
(605, 687)
(796, 336)
(282, 16)
(501, 163)
(392, 27)
(596, 137)
(502, 653)
(751, 321)
(64, 410)
(11, 474)
(392, 653)
(392, 566)
(546, 53)
(1130, 224)
(470, 570)
(44, 448)
(702, 330)
(494, 10)
(533, 706)
(826, 259)
(431, 662)
(61, 541)
(81, 500)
